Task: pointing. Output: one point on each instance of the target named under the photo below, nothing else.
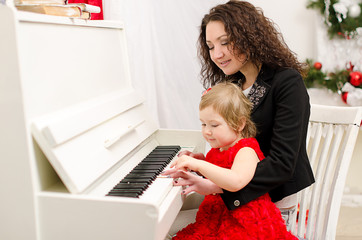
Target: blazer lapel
(260, 88)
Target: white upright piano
(71, 129)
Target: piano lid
(85, 114)
(84, 141)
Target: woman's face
(218, 43)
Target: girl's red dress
(258, 219)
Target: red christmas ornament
(344, 97)
(317, 65)
(355, 78)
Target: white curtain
(162, 36)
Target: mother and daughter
(247, 195)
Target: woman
(237, 43)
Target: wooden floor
(349, 223)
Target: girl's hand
(185, 163)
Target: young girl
(230, 164)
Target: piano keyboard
(139, 179)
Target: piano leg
(187, 214)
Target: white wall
(296, 22)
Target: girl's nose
(207, 131)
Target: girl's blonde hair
(228, 100)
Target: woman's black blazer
(281, 113)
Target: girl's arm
(234, 179)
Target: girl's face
(218, 43)
(216, 131)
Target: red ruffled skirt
(260, 219)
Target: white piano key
(157, 191)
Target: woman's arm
(200, 156)
(233, 179)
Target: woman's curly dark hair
(249, 32)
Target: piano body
(72, 127)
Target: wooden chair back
(331, 138)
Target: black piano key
(136, 173)
(158, 155)
(142, 186)
(138, 180)
(163, 152)
(139, 191)
(134, 180)
(141, 171)
(132, 195)
(131, 180)
(141, 175)
(145, 171)
(161, 163)
(168, 147)
(148, 167)
(161, 156)
(156, 159)
(161, 159)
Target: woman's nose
(218, 52)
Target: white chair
(331, 138)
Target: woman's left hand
(192, 182)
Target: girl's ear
(242, 124)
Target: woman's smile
(225, 63)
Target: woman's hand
(192, 182)
(199, 156)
